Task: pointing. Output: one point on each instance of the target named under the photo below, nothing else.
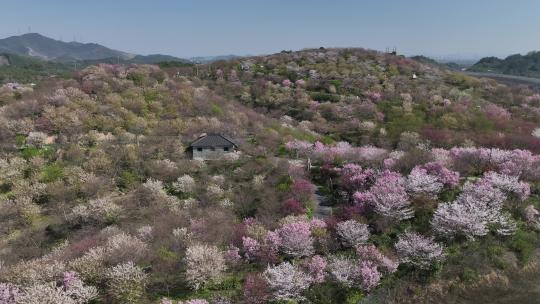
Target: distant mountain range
(38, 46)
(520, 65)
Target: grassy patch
(51, 173)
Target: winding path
(321, 210)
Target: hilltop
(367, 97)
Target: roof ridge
(224, 137)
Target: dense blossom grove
(353, 182)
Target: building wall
(207, 153)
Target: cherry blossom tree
(204, 264)
(476, 209)
(372, 254)
(255, 289)
(302, 189)
(296, 239)
(456, 218)
(232, 255)
(420, 182)
(273, 241)
(286, 83)
(293, 206)
(374, 96)
(352, 233)
(300, 147)
(126, 282)
(354, 178)
(300, 83)
(497, 113)
(390, 197)
(316, 266)
(508, 184)
(418, 251)
(343, 270)
(184, 184)
(447, 177)
(369, 275)
(251, 247)
(287, 282)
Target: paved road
(507, 78)
(321, 211)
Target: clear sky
(218, 27)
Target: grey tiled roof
(213, 140)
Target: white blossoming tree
(204, 264)
(418, 251)
(287, 282)
(352, 233)
(126, 283)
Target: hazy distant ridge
(520, 65)
(39, 46)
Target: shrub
(294, 207)
(523, 242)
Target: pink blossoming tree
(390, 196)
(296, 239)
(316, 267)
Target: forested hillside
(432, 179)
(520, 65)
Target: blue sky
(217, 27)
